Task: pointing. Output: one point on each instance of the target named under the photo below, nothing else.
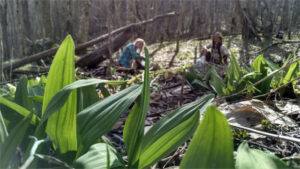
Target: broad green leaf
(235, 67)
(273, 66)
(21, 99)
(200, 83)
(13, 117)
(61, 125)
(99, 118)
(287, 61)
(32, 82)
(215, 81)
(172, 131)
(38, 99)
(37, 93)
(291, 73)
(96, 158)
(256, 159)
(134, 127)
(192, 75)
(61, 97)
(259, 65)
(21, 95)
(235, 79)
(36, 90)
(3, 131)
(86, 96)
(211, 146)
(9, 146)
(104, 91)
(107, 157)
(19, 109)
(249, 75)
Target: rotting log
(51, 52)
(94, 58)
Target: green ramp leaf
(104, 91)
(211, 146)
(9, 146)
(61, 125)
(36, 93)
(86, 96)
(199, 83)
(259, 65)
(38, 99)
(134, 127)
(96, 158)
(99, 118)
(215, 81)
(235, 68)
(248, 158)
(21, 95)
(60, 98)
(3, 130)
(19, 109)
(172, 131)
(291, 73)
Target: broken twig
(286, 138)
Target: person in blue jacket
(130, 56)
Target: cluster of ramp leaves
(237, 78)
(70, 112)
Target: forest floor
(170, 90)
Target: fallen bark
(79, 47)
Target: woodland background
(28, 26)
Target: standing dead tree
(179, 33)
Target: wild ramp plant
(241, 80)
(70, 112)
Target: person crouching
(219, 53)
(131, 55)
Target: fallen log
(27, 72)
(94, 58)
(277, 43)
(51, 52)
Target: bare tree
(178, 33)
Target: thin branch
(53, 160)
(33, 150)
(274, 91)
(277, 136)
